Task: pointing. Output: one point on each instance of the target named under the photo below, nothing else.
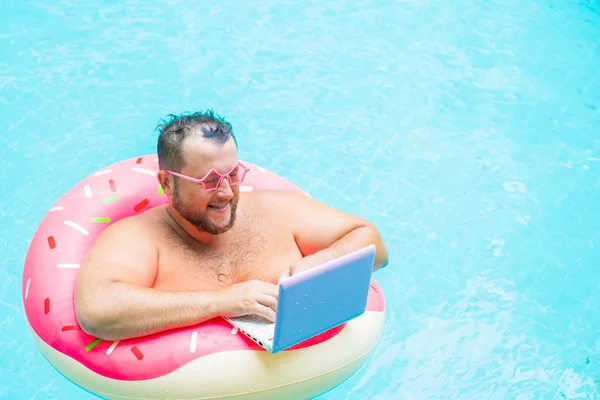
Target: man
(211, 251)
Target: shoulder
(276, 197)
(137, 224)
(281, 200)
(125, 251)
(299, 209)
(137, 231)
(313, 224)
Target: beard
(201, 221)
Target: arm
(113, 295)
(324, 233)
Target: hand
(251, 297)
(289, 271)
(306, 263)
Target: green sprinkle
(111, 199)
(100, 219)
(92, 345)
(160, 190)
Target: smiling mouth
(219, 207)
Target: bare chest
(250, 253)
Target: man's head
(192, 146)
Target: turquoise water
(467, 131)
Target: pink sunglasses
(212, 180)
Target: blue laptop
(313, 301)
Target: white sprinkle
(112, 347)
(261, 169)
(88, 191)
(234, 331)
(308, 195)
(144, 171)
(57, 208)
(27, 288)
(193, 342)
(246, 188)
(156, 159)
(106, 171)
(67, 266)
(76, 227)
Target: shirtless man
(207, 253)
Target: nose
(225, 190)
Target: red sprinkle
(46, 306)
(139, 160)
(70, 328)
(113, 188)
(137, 353)
(140, 206)
(51, 242)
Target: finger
(283, 276)
(268, 301)
(270, 289)
(265, 312)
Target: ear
(166, 181)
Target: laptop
(313, 301)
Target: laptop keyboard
(254, 325)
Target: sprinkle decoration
(110, 199)
(67, 265)
(144, 171)
(100, 219)
(88, 191)
(77, 227)
(136, 352)
(92, 345)
(70, 328)
(112, 347)
(140, 206)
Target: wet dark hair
(176, 128)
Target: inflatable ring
(206, 361)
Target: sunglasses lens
(211, 181)
(237, 175)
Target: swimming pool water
(467, 131)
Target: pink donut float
(207, 361)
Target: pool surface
(467, 131)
